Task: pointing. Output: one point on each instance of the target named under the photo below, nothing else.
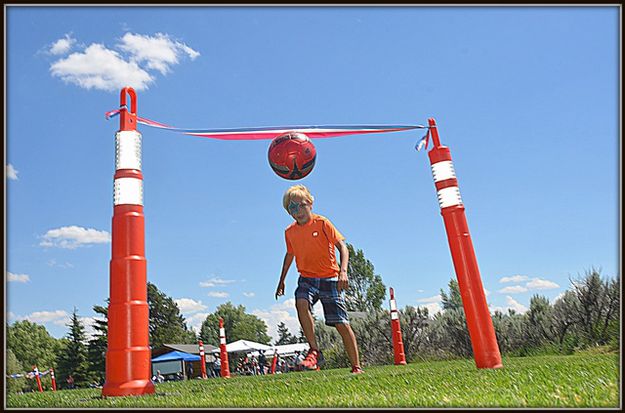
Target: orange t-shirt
(312, 244)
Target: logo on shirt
(315, 234)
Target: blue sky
(526, 98)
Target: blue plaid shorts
(324, 289)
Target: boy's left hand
(343, 283)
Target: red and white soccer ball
(292, 155)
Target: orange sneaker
(313, 360)
(357, 370)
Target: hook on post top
(434, 133)
(127, 120)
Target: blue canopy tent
(176, 355)
(173, 362)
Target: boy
(311, 240)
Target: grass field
(584, 380)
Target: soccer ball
(292, 155)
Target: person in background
(217, 367)
(158, 377)
(297, 361)
(262, 361)
(255, 366)
(70, 382)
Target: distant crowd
(249, 366)
(244, 365)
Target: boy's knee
(342, 326)
(302, 304)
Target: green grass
(584, 380)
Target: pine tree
(96, 350)
(301, 338)
(167, 325)
(453, 301)
(72, 359)
(284, 335)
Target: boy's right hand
(280, 290)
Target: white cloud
(53, 263)
(432, 299)
(281, 312)
(102, 69)
(20, 278)
(189, 305)
(57, 317)
(317, 311)
(158, 52)
(11, 172)
(249, 294)
(433, 304)
(194, 322)
(190, 52)
(433, 308)
(128, 63)
(88, 323)
(73, 236)
(214, 282)
(540, 284)
(62, 45)
(557, 297)
(514, 278)
(515, 305)
(420, 291)
(513, 289)
(218, 294)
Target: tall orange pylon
(36, 371)
(274, 362)
(479, 321)
(128, 352)
(202, 360)
(225, 368)
(398, 343)
(53, 379)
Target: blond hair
(296, 190)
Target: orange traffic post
(128, 352)
(53, 379)
(274, 362)
(398, 344)
(225, 368)
(36, 371)
(202, 360)
(479, 321)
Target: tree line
(586, 315)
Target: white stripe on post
(449, 196)
(128, 191)
(393, 305)
(394, 315)
(443, 170)
(128, 150)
